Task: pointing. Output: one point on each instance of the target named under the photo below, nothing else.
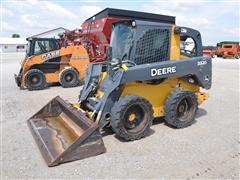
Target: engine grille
(153, 46)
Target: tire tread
(61, 78)
(116, 113)
(170, 108)
(30, 88)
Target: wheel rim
(35, 80)
(134, 118)
(69, 77)
(185, 109)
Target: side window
(56, 44)
(43, 46)
(153, 46)
(37, 49)
(187, 46)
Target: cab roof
(137, 15)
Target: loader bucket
(65, 134)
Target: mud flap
(63, 133)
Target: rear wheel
(35, 80)
(131, 117)
(68, 78)
(180, 109)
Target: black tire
(180, 109)
(68, 78)
(139, 110)
(34, 79)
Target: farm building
(13, 45)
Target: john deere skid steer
(155, 69)
(46, 62)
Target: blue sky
(216, 20)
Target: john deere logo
(50, 55)
(162, 71)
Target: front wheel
(34, 79)
(180, 109)
(131, 117)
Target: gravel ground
(207, 149)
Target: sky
(216, 20)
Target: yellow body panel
(202, 96)
(157, 94)
(71, 56)
(183, 56)
(175, 45)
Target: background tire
(68, 78)
(131, 117)
(35, 79)
(180, 109)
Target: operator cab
(38, 46)
(151, 44)
(141, 45)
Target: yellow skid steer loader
(151, 72)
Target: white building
(13, 45)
